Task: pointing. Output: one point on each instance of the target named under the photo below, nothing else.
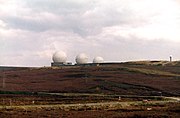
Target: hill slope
(132, 78)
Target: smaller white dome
(98, 60)
(81, 58)
(59, 57)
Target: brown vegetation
(31, 92)
(124, 79)
(89, 106)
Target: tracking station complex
(60, 59)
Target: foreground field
(91, 106)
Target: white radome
(98, 60)
(81, 58)
(59, 57)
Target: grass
(140, 70)
(91, 106)
(151, 72)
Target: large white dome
(59, 57)
(81, 58)
(98, 60)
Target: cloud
(80, 17)
(122, 30)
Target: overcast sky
(118, 30)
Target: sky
(117, 30)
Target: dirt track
(95, 106)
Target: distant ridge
(163, 63)
(12, 68)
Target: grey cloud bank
(119, 30)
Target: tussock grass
(151, 72)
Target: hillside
(131, 78)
